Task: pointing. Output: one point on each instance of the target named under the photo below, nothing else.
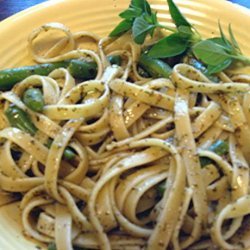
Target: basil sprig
(216, 53)
(219, 52)
(178, 42)
(139, 18)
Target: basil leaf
(233, 40)
(169, 46)
(224, 38)
(121, 28)
(218, 40)
(154, 18)
(147, 8)
(210, 52)
(138, 3)
(185, 31)
(141, 28)
(219, 67)
(130, 13)
(176, 15)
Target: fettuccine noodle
(130, 134)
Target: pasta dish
(108, 146)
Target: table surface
(10, 7)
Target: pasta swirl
(121, 159)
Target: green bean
(220, 147)
(68, 153)
(161, 189)
(20, 119)
(201, 67)
(115, 59)
(52, 246)
(9, 77)
(81, 69)
(33, 99)
(204, 161)
(154, 67)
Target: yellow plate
(99, 16)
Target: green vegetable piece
(154, 67)
(68, 153)
(161, 189)
(169, 46)
(20, 119)
(121, 28)
(176, 15)
(82, 69)
(204, 161)
(201, 67)
(9, 77)
(222, 40)
(210, 52)
(185, 31)
(142, 26)
(197, 64)
(233, 40)
(115, 59)
(219, 52)
(52, 246)
(143, 5)
(219, 147)
(140, 18)
(219, 67)
(131, 12)
(33, 99)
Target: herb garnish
(216, 53)
(140, 18)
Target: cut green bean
(52, 246)
(204, 161)
(81, 69)
(9, 77)
(20, 119)
(115, 59)
(33, 99)
(68, 153)
(161, 189)
(154, 67)
(220, 147)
